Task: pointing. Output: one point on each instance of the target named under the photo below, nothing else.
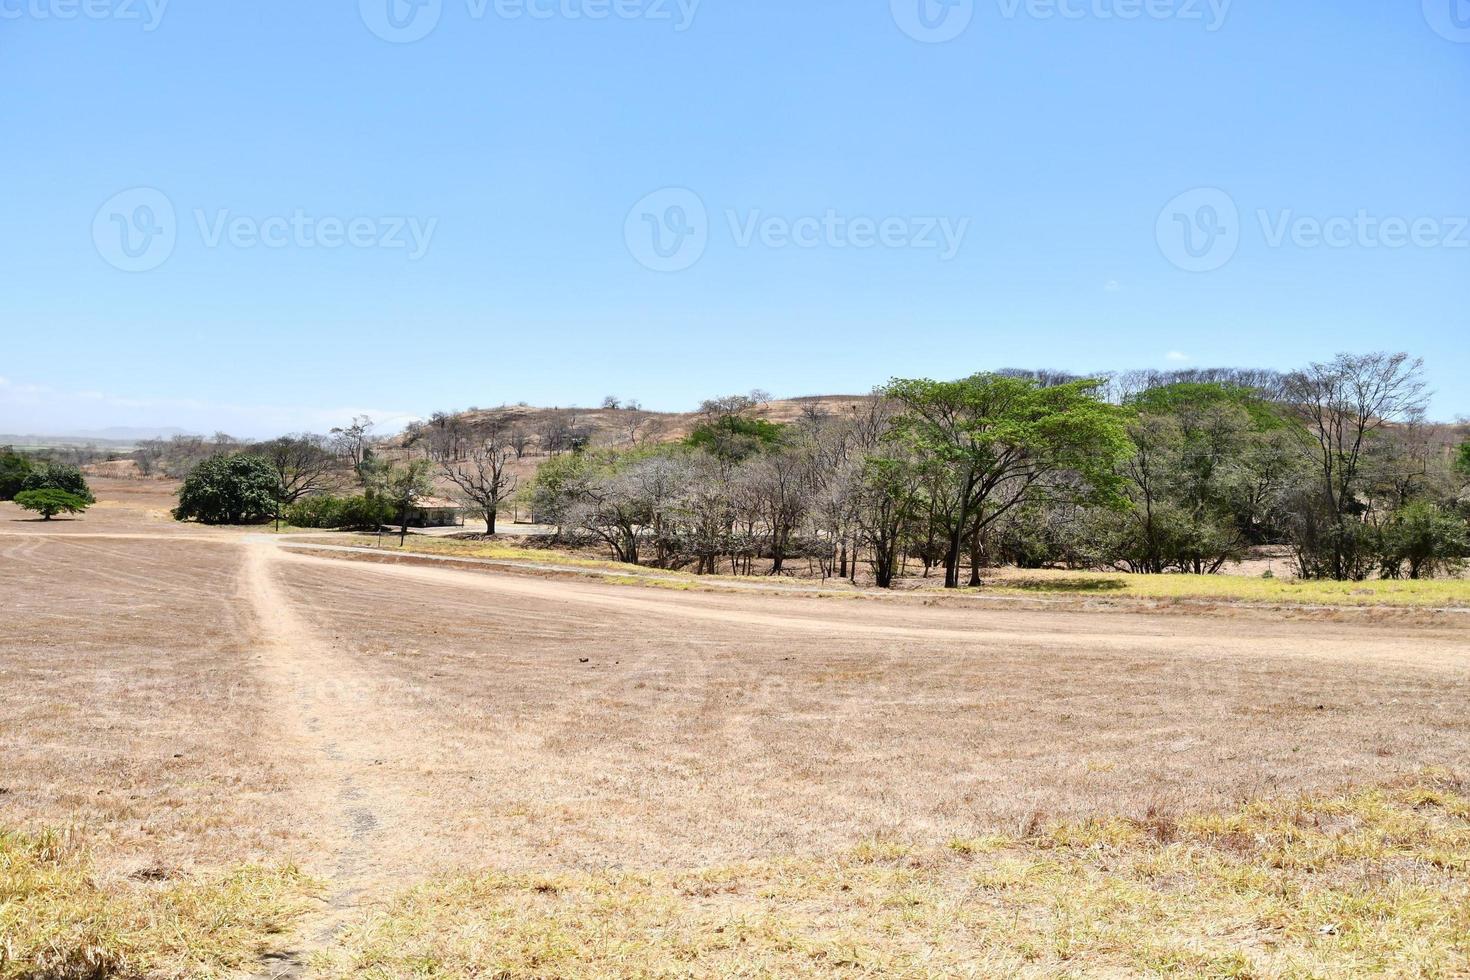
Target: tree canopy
(14, 468)
(240, 488)
(49, 502)
(990, 441)
(59, 476)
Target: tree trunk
(952, 557)
(975, 582)
(490, 515)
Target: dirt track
(416, 719)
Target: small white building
(436, 512)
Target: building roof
(438, 503)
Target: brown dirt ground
(198, 697)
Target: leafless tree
(352, 440)
(639, 426)
(1343, 404)
(716, 409)
(483, 478)
(303, 464)
(519, 440)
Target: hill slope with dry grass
(623, 425)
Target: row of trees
(302, 478)
(1145, 473)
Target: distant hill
(620, 426)
(123, 432)
(116, 437)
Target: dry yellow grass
(61, 920)
(1437, 593)
(1224, 589)
(586, 779)
(1372, 881)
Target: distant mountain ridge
(114, 435)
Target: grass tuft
(58, 922)
(1372, 881)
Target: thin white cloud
(40, 410)
(1177, 357)
(1113, 286)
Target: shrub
(50, 502)
(328, 512)
(735, 437)
(229, 489)
(14, 468)
(1422, 541)
(368, 511)
(322, 511)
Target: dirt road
(406, 719)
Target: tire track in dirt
(971, 630)
(357, 782)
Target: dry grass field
(222, 757)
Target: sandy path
(336, 714)
(1179, 634)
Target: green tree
(14, 468)
(1422, 540)
(403, 485)
(735, 437)
(58, 476)
(889, 498)
(229, 489)
(50, 502)
(995, 438)
(1210, 463)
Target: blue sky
(323, 217)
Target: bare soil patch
(191, 700)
